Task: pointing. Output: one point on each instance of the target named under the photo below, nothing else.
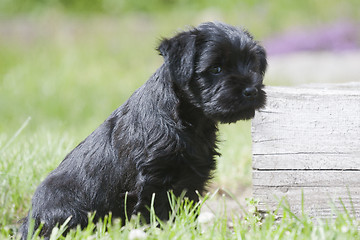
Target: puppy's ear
(179, 55)
(260, 51)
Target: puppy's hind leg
(152, 195)
(51, 218)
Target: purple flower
(340, 36)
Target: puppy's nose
(250, 92)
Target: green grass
(61, 75)
(184, 224)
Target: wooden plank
(308, 121)
(303, 178)
(316, 201)
(307, 161)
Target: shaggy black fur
(163, 137)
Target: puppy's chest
(187, 171)
(197, 160)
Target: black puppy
(163, 137)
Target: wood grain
(301, 178)
(308, 139)
(315, 201)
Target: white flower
(205, 217)
(137, 234)
(344, 229)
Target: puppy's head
(219, 68)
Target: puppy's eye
(215, 70)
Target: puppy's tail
(24, 228)
(27, 228)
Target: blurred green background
(71, 62)
(67, 64)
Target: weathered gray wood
(300, 178)
(308, 138)
(321, 161)
(316, 201)
(308, 121)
